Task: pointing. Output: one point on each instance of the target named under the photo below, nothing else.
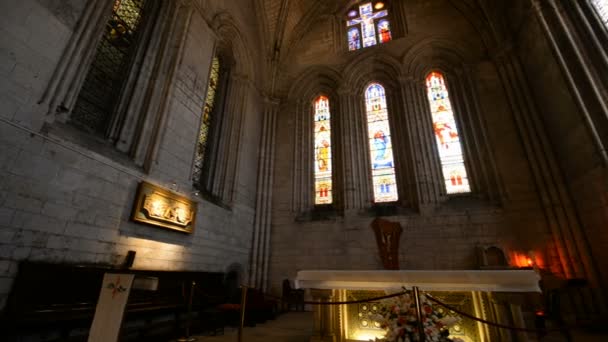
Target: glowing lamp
(379, 5)
(352, 13)
(530, 262)
(539, 313)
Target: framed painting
(160, 207)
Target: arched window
(94, 109)
(367, 25)
(322, 152)
(446, 133)
(201, 158)
(380, 145)
(601, 6)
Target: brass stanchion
(243, 301)
(187, 338)
(419, 314)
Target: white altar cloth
(465, 280)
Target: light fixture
(352, 13)
(379, 5)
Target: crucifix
(368, 29)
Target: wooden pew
(61, 298)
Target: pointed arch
(382, 160)
(446, 133)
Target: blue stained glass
(380, 145)
(366, 28)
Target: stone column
(424, 148)
(260, 250)
(324, 316)
(355, 155)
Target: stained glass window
(100, 92)
(446, 134)
(203, 135)
(601, 6)
(322, 151)
(381, 148)
(368, 25)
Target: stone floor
(288, 327)
(297, 327)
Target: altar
(493, 295)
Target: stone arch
(372, 66)
(232, 44)
(434, 54)
(312, 81)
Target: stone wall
(61, 202)
(444, 233)
(581, 161)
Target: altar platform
(494, 295)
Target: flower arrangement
(398, 316)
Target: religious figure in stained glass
(354, 39)
(446, 134)
(374, 25)
(601, 6)
(322, 151)
(381, 149)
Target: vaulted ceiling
(284, 20)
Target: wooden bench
(61, 299)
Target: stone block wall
(445, 234)
(61, 202)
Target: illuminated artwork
(322, 152)
(365, 26)
(381, 148)
(163, 208)
(446, 134)
(601, 6)
(203, 135)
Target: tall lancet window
(446, 134)
(601, 6)
(322, 151)
(94, 109)
(206, 122)
(368, 25)
(380, 145)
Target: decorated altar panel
(474, 292)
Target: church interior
(218, 143)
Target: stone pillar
(260, 250)
(355, 154)
(324, 316)
(424, 148)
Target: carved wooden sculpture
(387, 237)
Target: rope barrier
(494, 324)
(436, 301)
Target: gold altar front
(352, 322)
(495, 296)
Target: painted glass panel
(446, 134)
(381, 148)
(322, 151)
(384, 31)
(100, 92)
(354, 39)
(203, 135)
(365, 26)
(601, 7)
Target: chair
(292, 296)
